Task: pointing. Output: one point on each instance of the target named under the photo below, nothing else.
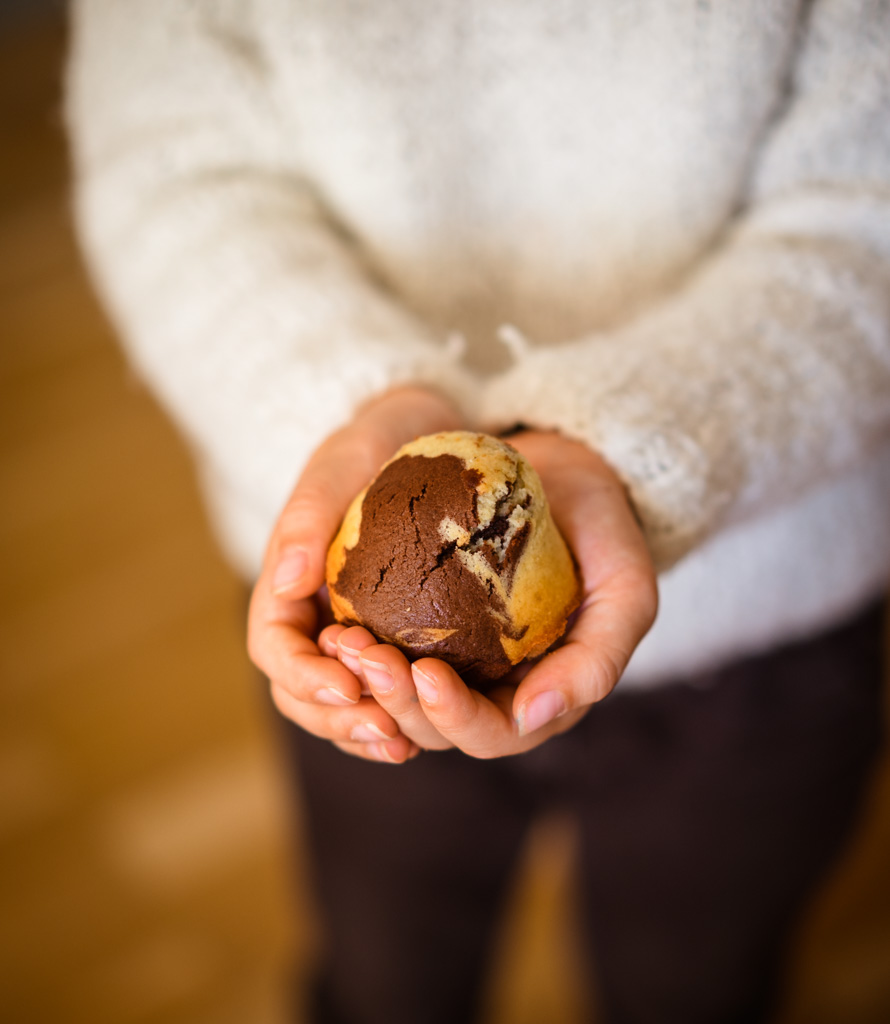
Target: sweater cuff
(665, 471)
(444, 374)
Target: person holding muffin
(650, 245)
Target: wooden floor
(150, 871)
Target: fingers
(318, 693)
(278, 644)
(387, 675)
(611, 623)
(620, 599)
(589, 504)
(332, 478)
(350, 643)
(427, 704)
(392, 683)
(398, 751)
(431, 704)
(471, 722)
(481, 725)
(364, 728)
(363, 722)
(327, 639)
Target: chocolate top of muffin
(410, 576)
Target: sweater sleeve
(767, 371)
(252, 316)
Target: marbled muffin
(451, 552)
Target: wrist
(412, 410)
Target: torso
(554, 166)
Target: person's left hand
(316, 692)
(436, 709)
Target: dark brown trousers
(709, 811)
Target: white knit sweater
(682, 209)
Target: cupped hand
(320, 693)
(432, 705)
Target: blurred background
(150, 861)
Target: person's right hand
(317, 692)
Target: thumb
(338, 470)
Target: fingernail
(368, 733)
(350, 661)
(329, 695)
(379, 676)
(540, 710)
(290, 570)
(380, 751)
(425, 686)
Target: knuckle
(400, 708)
(353, 444)
(435, 743)
(604, 669)
(648, 595)
(290, 680)
(461, 717)
(282, 700)
(255, 649)
(467, 714)
(484, 754)
(304, 513)
(639, 588)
